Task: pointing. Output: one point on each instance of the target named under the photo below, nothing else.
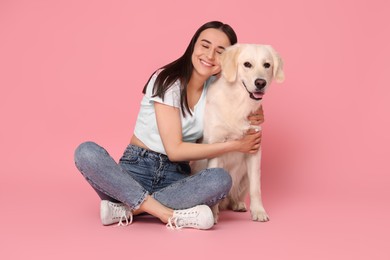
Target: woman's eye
(205, 46)
(266, 65)
(248, 64)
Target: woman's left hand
(257, 117)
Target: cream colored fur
(228, 105)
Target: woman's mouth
(206, 63)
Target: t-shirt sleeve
(171, 97)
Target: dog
(247, 72)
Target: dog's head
(252, 65)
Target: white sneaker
(111, 212)
(199, 217)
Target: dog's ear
(228, 61)
(278, 72)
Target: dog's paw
(260, 215)
(239, 206)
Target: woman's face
(209, 46)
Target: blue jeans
(141, 172)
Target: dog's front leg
(254, 174)
(215, 210)
(214, 163)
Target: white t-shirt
(146, 125)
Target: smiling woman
(153, 175)
(205, 57)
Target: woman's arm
(169, 126)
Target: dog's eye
(266, 65)
(248, 65)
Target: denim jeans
(141, 172)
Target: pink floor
(59, 219)
(72, 71)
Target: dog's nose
(260, 83)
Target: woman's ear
(229, 62)
(278, 72)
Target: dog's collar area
(250, 93)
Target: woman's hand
(251, 141)
(257, 117)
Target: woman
(153, 175)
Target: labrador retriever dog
(247, 72)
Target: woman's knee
(86, 152)
(221, 179)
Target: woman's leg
(155, 208)
(112, 183)
(206, 187)
(107, 177)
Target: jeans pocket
(129, 159)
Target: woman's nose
(210, 54)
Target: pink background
(73, 70)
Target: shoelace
(173, 222)
(124, 213)
(128, 221)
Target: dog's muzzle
(260, 84)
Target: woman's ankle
(155, 208)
